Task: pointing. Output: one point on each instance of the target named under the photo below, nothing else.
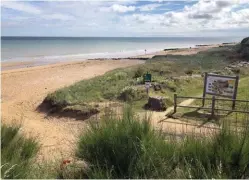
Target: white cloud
(21, 6)
(149, 7)
(122, 8)
(103, 18)
(203, 15)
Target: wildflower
(64, 163)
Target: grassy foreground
(128, 147)
(17, 153)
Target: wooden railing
(213, 102)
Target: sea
(47, 50)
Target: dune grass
(129, 147)
(19, 157)
(17, 153)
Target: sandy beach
(23, 89)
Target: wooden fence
(212, 108)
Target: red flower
(66, 161)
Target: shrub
(244, 48)
(171, 85)
(17, 153)
(139, 72)
(188, 72)
(236, 70)
(131, 93)
(110, 94)
(121, 75)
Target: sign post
(147, 86)
(235, 91)
(219, 85)
(204, 90)
(147, 80)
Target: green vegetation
(130, 93)
(244, 48)
(17, 153)
(174, 73)
(19, 157)
(128, 147)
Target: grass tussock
(17, 153)
(128, 147)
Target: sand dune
(24, 89)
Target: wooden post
(175, 103)
(147, 87)
(235, 92)
(213, 106)
(204, 90)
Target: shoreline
(22, 65)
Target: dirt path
(24, 89)
(159, 117)
(178, 127)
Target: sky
(125, 18)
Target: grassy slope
(109, 86)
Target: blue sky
(125, 18)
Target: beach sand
(24, 89)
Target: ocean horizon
(56, 49)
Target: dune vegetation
(129, 147)
(173, 73)
(17, 153)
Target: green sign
(147, 77)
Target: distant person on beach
(145, 51)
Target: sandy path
(24, 89)
(178, 127)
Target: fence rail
(212, 108)
(206, 98)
